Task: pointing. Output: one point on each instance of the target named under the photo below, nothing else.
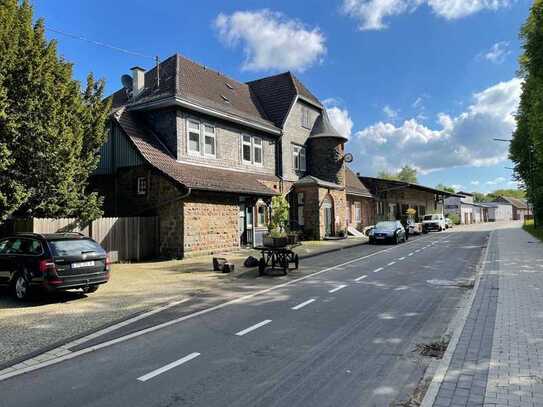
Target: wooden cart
(277, 258)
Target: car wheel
(90, 288)
(21, 287)
(396, 239)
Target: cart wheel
(296, 261)
(261, 267)
(284, 264)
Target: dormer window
(229, 86)
(225, 99)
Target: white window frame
(202, 134)
(142, 186)
(252, 148)
(305, 118)
(211, 135)
(357, 212)
(299, 158)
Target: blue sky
(427, 83)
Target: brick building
(206, 153)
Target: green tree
(514, 193)
(445, 188)
(406, 174)
(526, 149)
(479, 197)
(50, 130)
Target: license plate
(83, 264)
(380, 237)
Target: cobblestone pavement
(499, 357)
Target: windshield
(431, 217)
(75, 247)
(386, 225)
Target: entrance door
(245, 224)
(328, 217)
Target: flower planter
(269, 241)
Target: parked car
(433, 222)
(391, 231)
(413, 228)
(448, 223)
(53, 262)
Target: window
(194, 137)
(142, 186)
(261, 212)
(251, 150)
(298, 153)
(305, 118)
(3, 246)
(301, 208)
(246, 150)
(357, 212)
(209, 140)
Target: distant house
(206, 153)
(393, 198)
(463, 205)
(520, 207)
(499, 211)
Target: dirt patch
(416, 398)
(434, 350)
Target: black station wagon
(52, 262)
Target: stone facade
(395, 203)
(325, 160)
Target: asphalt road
(344, 336)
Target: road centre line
(378, 270)
(339, 287)
(145, 331)
(391, 263)
(411, 254)
(360, 278)
(303, 304)
(252, 328)
(169, 366)
(401, 258)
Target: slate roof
(354, 186)
(312, 180)
(323, 128)
(190, 176)
(265, 101)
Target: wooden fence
(125, 239)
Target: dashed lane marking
(303, 304)
(169, 366)
(339, 287)
(252, 328)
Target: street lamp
(530, 166)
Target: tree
(526, 149)
(514, 193)
(445, 188)
(479, 197)
(406, 174)
(50, 130)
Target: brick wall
(368, 211)
(210, 223)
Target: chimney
(138, 80)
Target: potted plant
(277, 235)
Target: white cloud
(371, 13)
(462, 140)
(475, 183)
(271, 41)
(497, 53)
(389, 112)
(457, 187)
(496, 181)
(339, 117)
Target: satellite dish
(348, 158)
(126, 80)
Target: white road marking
(339, 287)
(401, 258)
(360, 278)
(410, 254)
(378, 270)
(8, 374)
(169, 366)
(391, 263)
(252, 328)
(303, 304)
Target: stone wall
(210, 223)
(325, 160)
(164, 125)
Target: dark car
(53, 262)
(391, 231)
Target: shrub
(454, 218)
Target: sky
(425, 83)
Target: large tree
(526, 148)
(406, 174)
(50, 129)
(442, 187)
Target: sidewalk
(498, 359)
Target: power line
(100, 44)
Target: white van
(435, 221)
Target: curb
(335, 249)
(458, 324)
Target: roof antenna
(157, 71)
